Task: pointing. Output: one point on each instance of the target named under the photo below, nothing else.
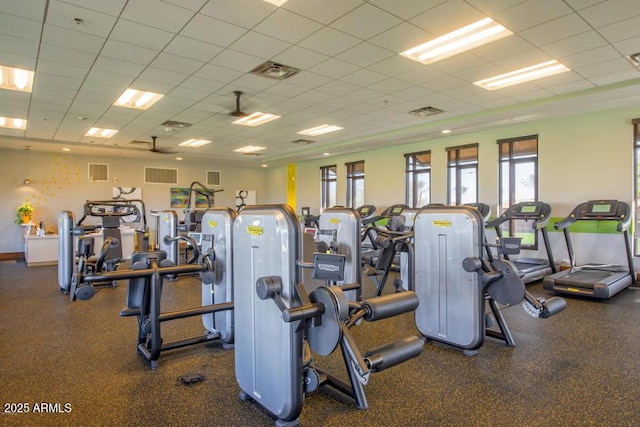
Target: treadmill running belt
(589, 278)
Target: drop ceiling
(85, 53)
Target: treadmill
(594, 280)
(539, 213)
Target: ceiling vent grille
(98, 172)
(176, 125)
(213, 178)
(426, 111)
(273, 70)
(160, 175)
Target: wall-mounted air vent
(426, 111)
(98, 172)
(160, 175)
(176, 125)
(273, 70)
(213, 178)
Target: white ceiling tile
(299, 57)
(363, 77)
(480, 72)
(140, 35)
(445, 83)
(60, 81)
(559, 79)
(576, 44)
(447, 17)
(167, 61)
(315, 96)
(622, 30)
(15, 45)
(61, 91)
(493, 7)
(396, 65)
(59, 36)
(308, 79)
(401, 37)
(287, 26)
(245, 13)
(592, 56)
(390, 85)
(66, 56)
(503, 48)
(254, 82)
(406, 9)
(366, 21)
(154, 86)
(192, 48)
(524, 59)
(629, 46)
(218, 74)
(610, 11)
(112, 65)
(286, 89)
(162, 15)
(363, 94)
(18, 61)
(531, 13)
(84, 108)
(20, 27)
(334, 68)
(458, 63)
(339, 102)
(606, 67)
(61, 69)
(582, 4)
(365, 54)
(109, 78)
(337, 87)
(615, 77)
(128, 52)
(237, 60)
(63, 14)
(421, 75)
(324, 11)
(201, 84)
(111, 7)
(33, 10)
(259, 45)
(329, 41)
(212, 30)
(557, 29)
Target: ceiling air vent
(213, 178)
(302, 142)
(176, 125)
(98, 172)
(273, 70)
(426, 111)
(160, 175)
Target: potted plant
(23, 213)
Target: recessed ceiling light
(277, 2)
(178, 158)
(466, 38)
(66, 149)
(264, 166)
(141, 100)
(256, 119)
(101, 133)
(445, 131)
(195, 143)
(523, 75)
(319, 130)
(11, 123)
(249, 149)
(16, 79)
(326, 154)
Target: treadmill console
(366, 211)
(393, 210)
(601, 208)
(529, 210)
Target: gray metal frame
(66, 257)
(168, 226)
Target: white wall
(60, 182)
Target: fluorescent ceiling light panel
(16, 79)
(11, 123)
(249, 149)
(256, 119)
(101, 133)
(319, 130)
(277, 2)
(466, 38)
(141, 100)
(195, 143)
(523, 75)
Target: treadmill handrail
(622, 215)
(540, 219)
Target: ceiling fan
(153, 148)
(238, 112)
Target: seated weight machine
(454, 280)
(282, 323)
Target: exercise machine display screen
(529, 209)
(597, 209)
(397, 210)
(197, 237)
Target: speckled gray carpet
(580, 368)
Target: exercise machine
(538, 214)
(454, 281)
(595, 280)
(193, 215)
(282, 324)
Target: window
(636, 184)
(462, 179)
(355, 184)
(328, 186)
(418, 179)
(518, 182)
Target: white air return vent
(175, 124)
(273, 70)
(98, 172)
(160, 176)
(426, 111)
(213, 178)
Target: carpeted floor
(580, 368)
